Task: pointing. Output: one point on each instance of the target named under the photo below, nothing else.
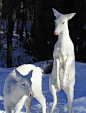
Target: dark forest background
(39, 43)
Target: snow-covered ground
(79, 103)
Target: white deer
(23, 83)
(63, 72)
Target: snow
(79, 103)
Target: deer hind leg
(53, 92)
(70, 95)
(28, 104)
(55, 99)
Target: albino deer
(23, 83)
(63, 72)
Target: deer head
(61, 21)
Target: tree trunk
(10, 32)
(9, 42)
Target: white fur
(16, 95)
(63, 72)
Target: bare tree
(8, 14)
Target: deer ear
(69, 16)
(29, 75)
(56, 13)
(18, 75)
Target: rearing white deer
(63, 72)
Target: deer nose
(31, 95)
(56, 33)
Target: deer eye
(62, 22)
(23, 84)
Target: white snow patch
(1, 97)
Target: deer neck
(63, 37)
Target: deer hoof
(62, 87)
(58, 88)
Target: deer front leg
(57, 72)
(66, 65)
(28, 104)
(20, 104)
(8, 108)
